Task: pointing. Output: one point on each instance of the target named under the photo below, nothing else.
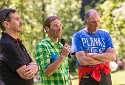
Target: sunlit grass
(118, 78)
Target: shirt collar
(53, 43)
(5, 35)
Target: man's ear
(85, 21)
(46, 28)
(5, 24)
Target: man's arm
(21, 72)
(52, 68)
(15, 62)
(84, 60)
(108, 56)
(28, 72)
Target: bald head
(91, 12)
(92, 20)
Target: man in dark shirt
(16, 66)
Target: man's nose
(59, 27)
(97, 23)
(21, 20)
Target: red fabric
(17, 41)
(95, 71)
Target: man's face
(93, 22)
(15, 25)
(55, 29)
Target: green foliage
(32, 16)
(112, 20)
(68, 11)
(34, 12)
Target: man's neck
(54, 39)
(90, 31)
(14, 35)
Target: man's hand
(31, 70)
(110, 50)
(65, 50)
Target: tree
(33, 14)
(88, 4)
(112, 20)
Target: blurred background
(34, 12)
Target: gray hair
(5, 16)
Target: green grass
(118, 78)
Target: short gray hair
(5, 16)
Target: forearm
(31, 70)
(52, 68)
(89, 61)
(105, 57)
(21, 72)
(84, 59)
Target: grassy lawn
(118, 78)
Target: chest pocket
(53, 52)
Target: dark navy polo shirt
(12, 57)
